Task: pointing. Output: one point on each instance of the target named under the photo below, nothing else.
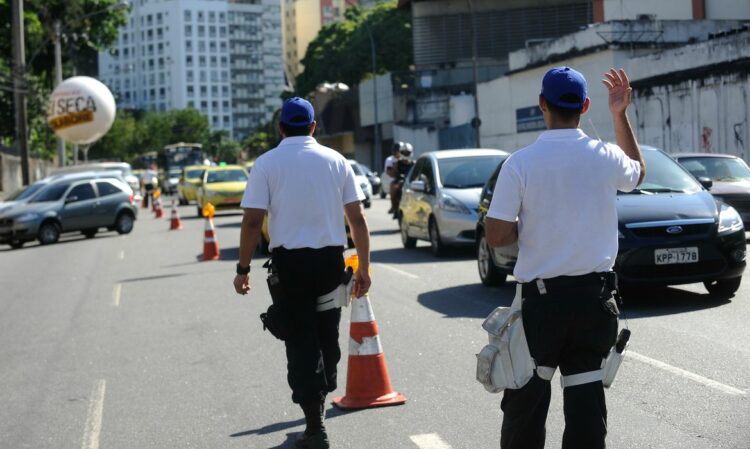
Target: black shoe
(317, 440)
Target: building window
(190, 104)
(188, 15)
(225, 91)
(201, 17)
(202, 46)
(212, 46)
(203, 76)
(223, 46)
(223, 61)
(222, 31)
(188, 30)
(211, 16)
(189, 76)
(204, 106)
(188, 45)
(222, 17)
(201, 31)
(201, 61)
(159, 33)
(162, 93)
(226, 120)
(158, 18)
(204, 91)
(190, 91)
(213, 61)
(212, 31)
(150, 34)
(215, 120)
(215, 91)
(189, 61)
(224, 75)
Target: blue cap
(297, 111)
(561, 82)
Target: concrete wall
(423, 139)
(385, 100)
(727, 9)
(10, 172)
(662, 9)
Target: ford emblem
(674, 230)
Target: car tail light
(132, 199)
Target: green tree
(341, 51)
(264, 138)
(83, 37)
(222, 147)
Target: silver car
(72, 203)
(440, 198)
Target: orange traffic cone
(367, 382)
(210, 245)
(174, 220)
(158, 211)
(144, 201)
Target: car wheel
(89, 233)
(436, 245)
(723, 287)
(49, 232)
(408, 242)
(124, 223)
(488, 271)
(17, 244)
(183, 201)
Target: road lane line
(405, 273)
(687, 374)
(94, 419)
(116, 293)
(121, 256)
(429, 441)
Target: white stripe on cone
(369, 346)
(362, 310)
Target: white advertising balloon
(81, 110)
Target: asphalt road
(131, 342)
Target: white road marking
(687, 374)
(116, 293)
(405, 273)
(429, 441)
(121, 256)
(94, 419)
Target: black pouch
(276, 318)
(609, 294)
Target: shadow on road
(468, 301)
(70, 238)
(659, 301)
(384, 232)
(153, 278)
(271, 428)
(419, 255)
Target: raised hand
(620, 92)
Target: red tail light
(132, 199)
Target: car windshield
(52, 192)
(717, 168)
(194, 174)
(664, 175)
(26, 192)
(467, 172)
(357, 170)
(226, 176)
(174, 173)
(364, 168)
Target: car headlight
(26, 217)
(729, 220)
(450, 204)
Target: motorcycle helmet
(397, 146)
(407, 149)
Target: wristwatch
(243, 270)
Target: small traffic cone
(210, 245)
(158, 211)
(174, 219)
(144, 201)
(367, 382)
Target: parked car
(190, 179)
(222, 186)
(25, 193)
(441, 197)
(123, 168)
(70, 204)
(364, 183)
(671, 231)
(727, 177)
(373, 177)
(170, 179)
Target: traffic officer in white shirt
(306, 189)
(557, 197)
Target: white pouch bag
(506, 361)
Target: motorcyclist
(401, 169)
(390, 170)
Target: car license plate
(676, 255)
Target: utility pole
(58, 80)
(476, 123)
(19, 89)
(378, 156)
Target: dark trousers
(312, 351)
(572, 330)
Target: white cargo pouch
(506, 363)
(341, 296)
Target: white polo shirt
(304, 187)
(563, 190)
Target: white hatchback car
(364, 183)
(440, 199)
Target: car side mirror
(71, 199)
(417, 186)
(707, 183)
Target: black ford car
(672, 231)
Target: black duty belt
(562, 284)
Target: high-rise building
(302, 20)
(221, 57)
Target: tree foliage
(264, 138)
(87, 26)
(341, 51)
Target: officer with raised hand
(306, 189)
(557, 198)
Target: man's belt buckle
(541, 287)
